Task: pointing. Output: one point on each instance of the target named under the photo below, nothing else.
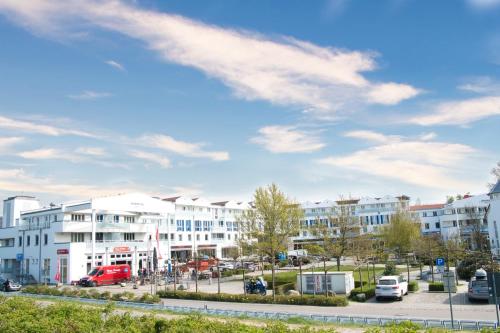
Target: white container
(314, 282)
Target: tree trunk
(338, 263)
(326, 284)
(272, 275)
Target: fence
(333, 319)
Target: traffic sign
(439, 261)
(19, 257)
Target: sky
(328, 99)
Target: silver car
(10, 286)
(478, 290)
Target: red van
(101, 275)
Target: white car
(391, 287)
(224, 266)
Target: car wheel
(377, 298)
(94, 284)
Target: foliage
(413, 286)
(468, 265)
(390, 269)
(436, 286)
(92, 293)
(402, 234)
(294, 300)
(369, 292)
(270, 225)
(25, 315)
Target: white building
(493, 218)
(430, 217)
(120, 229)
(367, 213)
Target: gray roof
(496, 188)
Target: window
(77, 217)
(197, 237)
(180, 238)
(438, 225)
(434, 213)
(206, 237)
(129, 236)
(180, 225)
(229, 226)
(20, 241)
(221, 223)
(116, 218)
(37, 240)
(77, 237)
(45, 239)
(171, 236)
(427, 226)
(424, 214)
(99, 237)
(229, 236)
(197, 225)
(189, 237)
(129, 219)
(100, 218)
(188, 225)
(28, 240)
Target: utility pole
(300, 273)
(449, 289)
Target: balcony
(110, 244)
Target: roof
(496, 188)
(426, 207)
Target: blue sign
(440, 262)
(19, 257)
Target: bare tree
(478, 239)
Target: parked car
(224, 266)
(11, 286)
(101, 275)
(391, 287)
(478, 287)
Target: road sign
(439, 261)
(19, 257)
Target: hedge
(369, 292)
(413, 286)
(436, 286)
(90, 293)
(280, 299)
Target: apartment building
(430, 217)
(72, 237)
(493, 218)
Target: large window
(37, 240)
(188, 225)
(129, 219)
(180, 225)
(28, 240)
(129, 236)
(45, 239)
(197, 225)
(20, 241)
(77, 237)
(77, 217)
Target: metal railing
(337, 319)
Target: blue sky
(325, 98)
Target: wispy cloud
(90, 95)
(151, 157)
(372, 137)
(115, 65)
(48, 154)
(424, 163)
(34, 127)
(14, 180)
(483, 4)
(462, 112)
(287, 139)
(92, 151)
(283, 70)
(7, 142)
(183, 148)
(481, 85)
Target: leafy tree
(495, 172)
(402, 234)
(274, 219)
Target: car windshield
(479, 283)
(387, 282)
(93, 272)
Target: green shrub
(390, 269)
(280, 299)
(357, 284)
(436, 286)
(413, 286)
(369, 292)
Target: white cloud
(481, 85)
(287, 139)
(183, 148)
(151, 157)
(283, 70)
(373, 137)
(483, 4)
(428, 136)
(91, 151)
(6, 142)
(90, 95)
(32, 127)
(48, 154)
(15, 180)
(460, 112)
(391, 93)
(115, 65)
(423, 163)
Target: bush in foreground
(436, 286)
(280, 299)
(413, 286)
(369, 292)
(92, 293)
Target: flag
(158, 241)
(57, 277)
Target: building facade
(493, 218)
